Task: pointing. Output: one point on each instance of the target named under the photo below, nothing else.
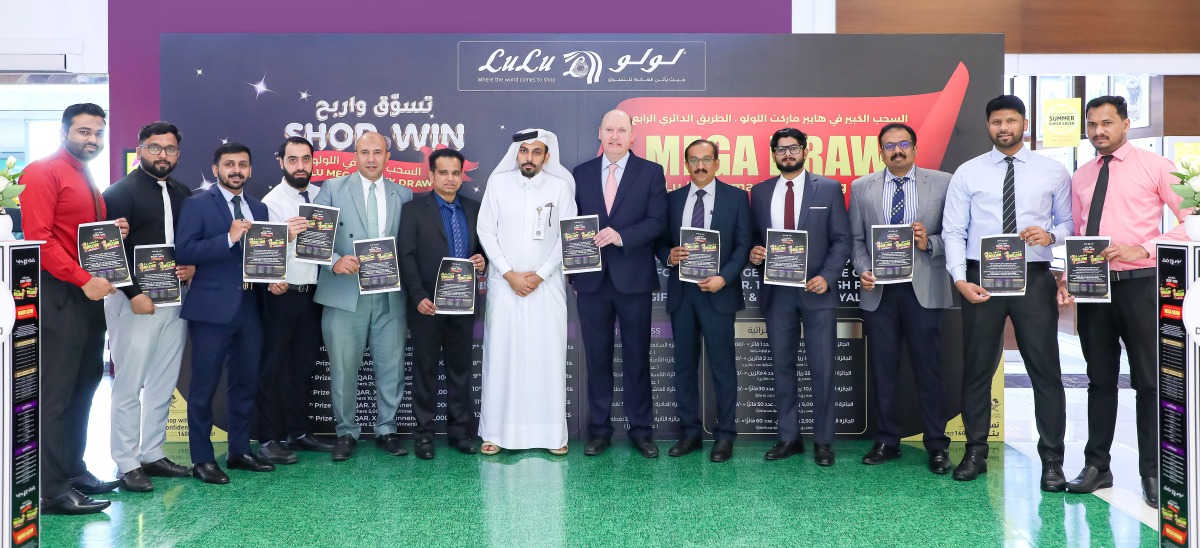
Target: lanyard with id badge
(539, 228)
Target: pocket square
(819, 207)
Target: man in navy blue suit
(706, 309)
(223, 313)
(799, 200)
(630, 196)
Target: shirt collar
(998, 157)
(799, 178)
(912, 174)
(227, 194)
(68, 158)
(1120, 154)
(441, 202)
(620, 163)
(367, 182)
(292, 191)
(709, 190)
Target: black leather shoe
(391, 444)
(684, 446)
(1053, 480)
(973, 464)
(164, 468)
(309, 442)
(1090, 479)
(209, 472)
(596, 446)
(785, 449)
(822, 454)
(136, 480)
(646, 448)
(249, 462)
(464, 446)
(424, 450)
(275, 453)
(344, 448)
(89, 484)
(880, 454)
(722, 450)
(73, 503)
(1150, 491)
(939, 461)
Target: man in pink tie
(630, 196)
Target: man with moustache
(146, 341)
(1121, 194)
(910, 312)
(706, 310)
(799, 200)
(629, 194)
(292, 323)
(59, 196)
(223, 313)
(435, 225)
(1005, 191)
(370, 208)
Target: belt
(1122, 275)
(1033, 265)
(302, 288)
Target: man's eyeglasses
(902, 145)
(155, 150)
(707, 160)
(794, 149)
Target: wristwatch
(1053, 238)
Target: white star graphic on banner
(260, 87)
(199, 72)
(477, 190)
(303, 95)
(501, 127)
(225, 141)
(205, 184)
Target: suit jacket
(639, 215)
(202, 239)
(823, 215)
(346, 193)
(931, 281)
(730, 217)
(425, 242)
(138, 198)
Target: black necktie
(698, 210)
(304, 194)
(237, 208)
(1093, 224)
(1010, 199)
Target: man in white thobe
(525, 323)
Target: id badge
(540, 225)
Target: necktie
(1093, 224)
(372, 212)
(1010, 199)
(610, 187)
(168, 215)
(789, 208)
(304, 194)
(898, 201)
(698, 210)
(237, 208)
(459, 248)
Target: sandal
(559, 452)
(489, 448)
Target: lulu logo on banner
(843, 132)
(1060, 120)
(328, 164)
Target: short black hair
(445, 153)
(716, 149)
(897, 125)
(231, 148)
(789, 132)
(1005, 102)
(158, 128)
(81, 108)
(295, 141)
(1114, 100)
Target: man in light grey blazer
(370, 208)
(902, 194)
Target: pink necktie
(610, 188)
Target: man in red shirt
(59, 196)
(1129, 211)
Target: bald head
(616, 134)
(371, 155)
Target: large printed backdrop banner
(472, 92)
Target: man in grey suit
(910, 311)
(370, 208)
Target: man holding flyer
(438, 225)
(906, 197)
(705, 310)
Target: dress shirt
(283, 202)
(690, 204)
(246, 214)
(1139, 185)
(380, 201)
(910, 195)
(58, 198)
(450, 210)
(974, 205)
(780, 196)
(620, 171)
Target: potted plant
(1189, 188)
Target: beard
(154, 169)
(790, 169)
(79, 150)
(295, 181)
(530, 171)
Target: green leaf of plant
(12, 191)
(1183, 190)
(1189, 202)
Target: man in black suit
(798, 200)
(706, 310)
(630, 196)
(439, 224)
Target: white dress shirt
(780, 195)
(283, 202)
(620, 171)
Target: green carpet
(530, 498)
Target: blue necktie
(304, 194)
(459, 244)
(698, 210)
(898, 201)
